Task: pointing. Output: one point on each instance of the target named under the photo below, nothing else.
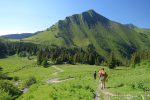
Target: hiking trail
(52, 80)
(107, 95)
(57, 80)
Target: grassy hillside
(144, 32)
(91, 28)
(76, 81)
(47, 37)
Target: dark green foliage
(4, 95)
(140, 85)
(44, 63)
(4, 76)
(30, 81)
(2, 50)
(60, 55)
(22, 54)
(136, 58)
(112, 63)
(72, 56)
(29, 57)
(133, 86)
(91, 59)
(8, 87)
(1, 72)
(16, 78)
(20, 48)
(39, 57)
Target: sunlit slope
(91, 28)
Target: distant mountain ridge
(19, 36)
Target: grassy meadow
(121, 81)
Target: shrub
(146, 89)
(4, 95)
(30, 81)
(16, 78)
(133, 86)
(44, 63)
(22, 54)
(8, 87)
(1, 68)
(140, 85)
(5, 76)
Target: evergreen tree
(135, 59)
(91, 59)
(44, 63)
(112, 61)
(39, 57)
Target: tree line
(138, 57)
(59, 55)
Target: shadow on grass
(121, 69)
(117, 86)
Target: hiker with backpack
(102, 76)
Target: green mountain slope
(92, 28)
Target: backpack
(102, 73)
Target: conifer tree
(44, 63)
(112, 61)
(39, 57)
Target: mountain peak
(132, 26)
(89, 17)
(90, 11)
(92, 18)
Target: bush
(4, 96)
(5, 76)
(133, 86)
(44, 63)
(8, 87)
(16, 78)
(22, 54)
(111, 66)
(140, 85)
(30, 81)
(1, 68)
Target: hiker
(102, 76)
(94, 75)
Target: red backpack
(102, 73)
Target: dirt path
(57, 80)
(25, 90)
(54, 80)
(97, 96)
(59, 70)
(107, 95)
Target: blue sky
(18, 16)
